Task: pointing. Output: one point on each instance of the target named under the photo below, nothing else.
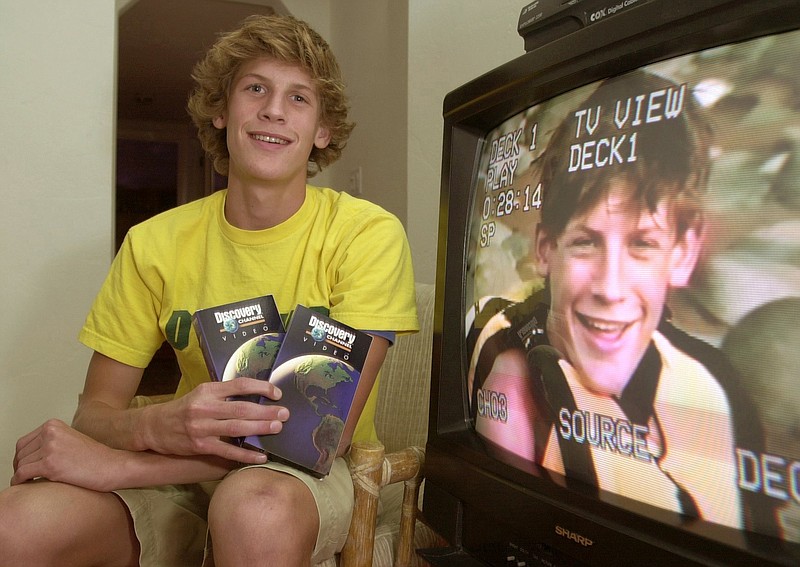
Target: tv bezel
(471, 498)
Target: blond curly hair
(283, 38)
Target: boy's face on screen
(610, 272)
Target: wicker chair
(384, 530)
(387, 476)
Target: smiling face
(272, 122)
(610, 271)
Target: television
(616, 349)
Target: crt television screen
(633, 286)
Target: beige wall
(369, 39)
(57, 87)
(449, 43)
(400, 57)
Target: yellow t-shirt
(342, 254)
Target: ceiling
(159, 43)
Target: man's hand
(190, 426)
(197, 423)
(58, 452)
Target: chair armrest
(371, 470)
(412, 460)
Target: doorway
(160, 163)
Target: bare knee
(20, 518)
(263, 516)
(45, 523)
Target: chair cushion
(401, 418)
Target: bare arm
(60, 453)
(191, 425)
(111, 446)
(375, 358)
(509, 421)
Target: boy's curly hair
(286, 39)
(672, 156)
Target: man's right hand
(198, 423)
(191, 425)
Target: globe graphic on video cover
(319, 390)
(254, 358)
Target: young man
(601, 386)
(270, 110)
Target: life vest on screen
(669, 440)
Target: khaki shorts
(170, 521)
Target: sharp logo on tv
(574, 536)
